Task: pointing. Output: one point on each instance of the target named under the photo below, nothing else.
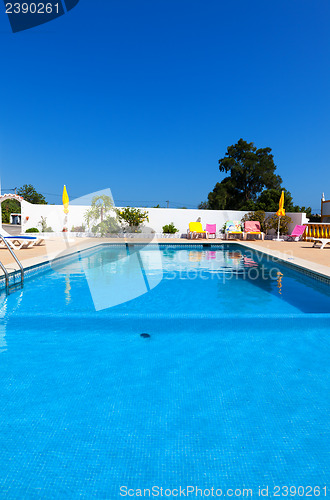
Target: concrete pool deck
(298, 253)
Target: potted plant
(169, 229)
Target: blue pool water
(231, 390)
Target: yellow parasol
(65, 200)
(280, 213)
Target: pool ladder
(5, 271)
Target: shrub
(315, 218)
(258, 215)
(32, 230)
(44, 227)
(132, 218)
(8, 207)
(78, 229)
(170, 228)
(107, 226)
(100, 208)
(272, 223)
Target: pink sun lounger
(297, 233)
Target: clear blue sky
(144, 96)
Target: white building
(325, 209)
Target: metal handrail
(5, 272)
(14, 256)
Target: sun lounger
(233, 228)
(297, 233)
(20, 242)
(39, 241)
(253, 227)
(195, 229)
(211, 229)
(322, 241)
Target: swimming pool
(230, 391)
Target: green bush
(170, 228)
(9, 207)
(78, 229)
(99, 211)
(272, 223)
(132, 218)
(107, 226)
(32, 230)
(315, 218)
(44, 227)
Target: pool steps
(17, 261)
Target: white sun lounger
(323, 241)
(19, 242)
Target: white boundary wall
(158, 217)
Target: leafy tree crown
(28, 192)
(133, 217)
(251, 169)
(251, 184)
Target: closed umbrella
(280, 213)
(65, 200)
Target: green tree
(315, 218)
(269, 200)
(217, 199)
(98, 216)
(100, 207)
(28, 192)
(204, 205)
(9, 207)
(109, 225)
(250, 170)
(272, 223)
(225, 197)
(252, 183)
(132, 218)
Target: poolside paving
(298, 253)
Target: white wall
(54, 214)
(158, 217)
